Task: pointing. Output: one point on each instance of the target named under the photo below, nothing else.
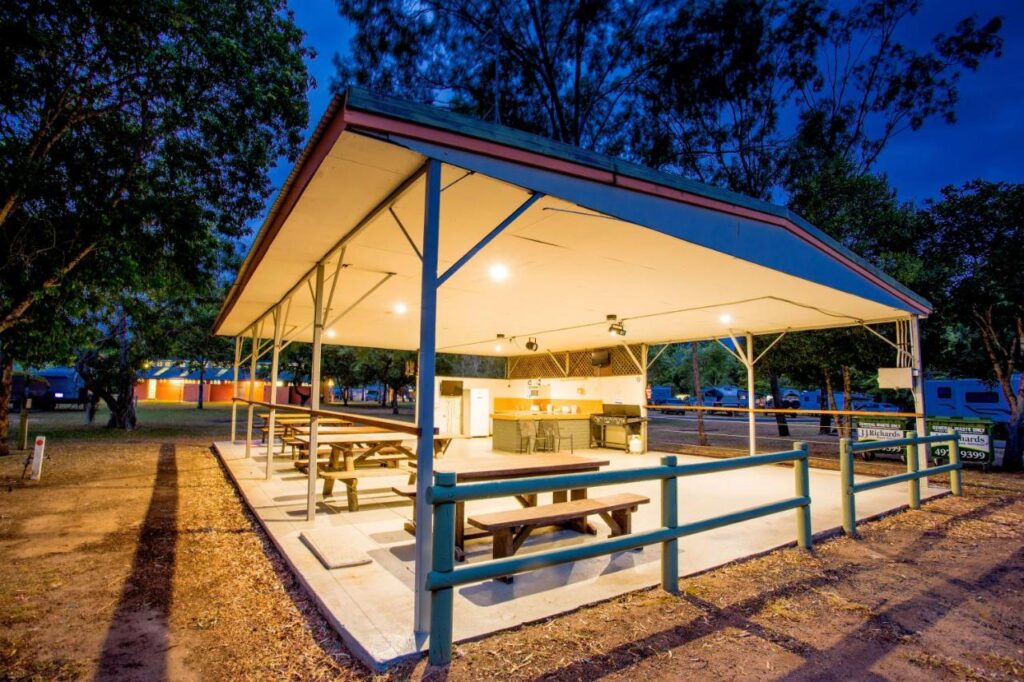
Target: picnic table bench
(511, 528)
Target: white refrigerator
(476, 412)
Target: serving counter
(507, 429)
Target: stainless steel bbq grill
(624, 421)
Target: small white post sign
(37, 458)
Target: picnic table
(376, 446)
(495, 467)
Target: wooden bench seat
(351, 481)
(512, 528)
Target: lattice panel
(543, 366)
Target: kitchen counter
(506, 429)
(517, 416)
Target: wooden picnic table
(379, 446)
(495, 467)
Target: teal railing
(445, 493)
(848, 449)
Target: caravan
(967, 398)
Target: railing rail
(392, 424)
(848, 449)
(446, 493)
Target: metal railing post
(846, 481)
(955, 482)
(670, 519)
(442, 599)
(913, 467)
(802, 476)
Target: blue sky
(985, 143)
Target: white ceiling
(569, 268)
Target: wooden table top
(537, 416)
(303, 419)
(488, 467)
(357, 434)
(304, 430)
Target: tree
(979, 231)
(139, 128)
(723, 80)
(564, 69)
(388, 367)
(339, 365)
(195, 342)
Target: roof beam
(489, 237)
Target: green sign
(975, 438)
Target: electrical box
(895, 377)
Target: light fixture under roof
(331, 333)
(499, 346)
(499, 272)
(531, 345)
(725, 318)
(616, 328)
(400, 308)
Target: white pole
(234, 390)
(274, 362)
(314, 390)
(644, 353)
(917, 383)
(425, 396)
(252, 391)
(751, 417)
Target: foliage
(979, 231)
(142, 129)
(564, 69)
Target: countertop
(517, 416)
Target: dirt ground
(134, 558)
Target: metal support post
(425, 394)
(955, 484)
(275, 358)
(917, 379)
(670, 519)
(442, 600)
(914, 485)
(751, 417)
(252, 390)
(846, 481)
(26, 404)
(314, 391)
(234, 390)
(802, 476)
(644, 401)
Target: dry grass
(137, 560)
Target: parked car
(65, 387)
(24, 385)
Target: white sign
(37, 458)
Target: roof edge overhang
(362, 111)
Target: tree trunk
(825, 423)
(702, 436)
(344, 396)
(780, 419)
(847, 420)
(394, 401)
(6, 389)
(1013, 456)
(202, 381)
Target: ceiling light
(725, 318)
(331, 333)
(616, 329)
(499, 272)
(401, 309)
(498, 347)
(531, 345)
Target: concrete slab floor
(371, 605)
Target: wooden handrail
(785, 410)
(390, 424)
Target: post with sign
(37, 458)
